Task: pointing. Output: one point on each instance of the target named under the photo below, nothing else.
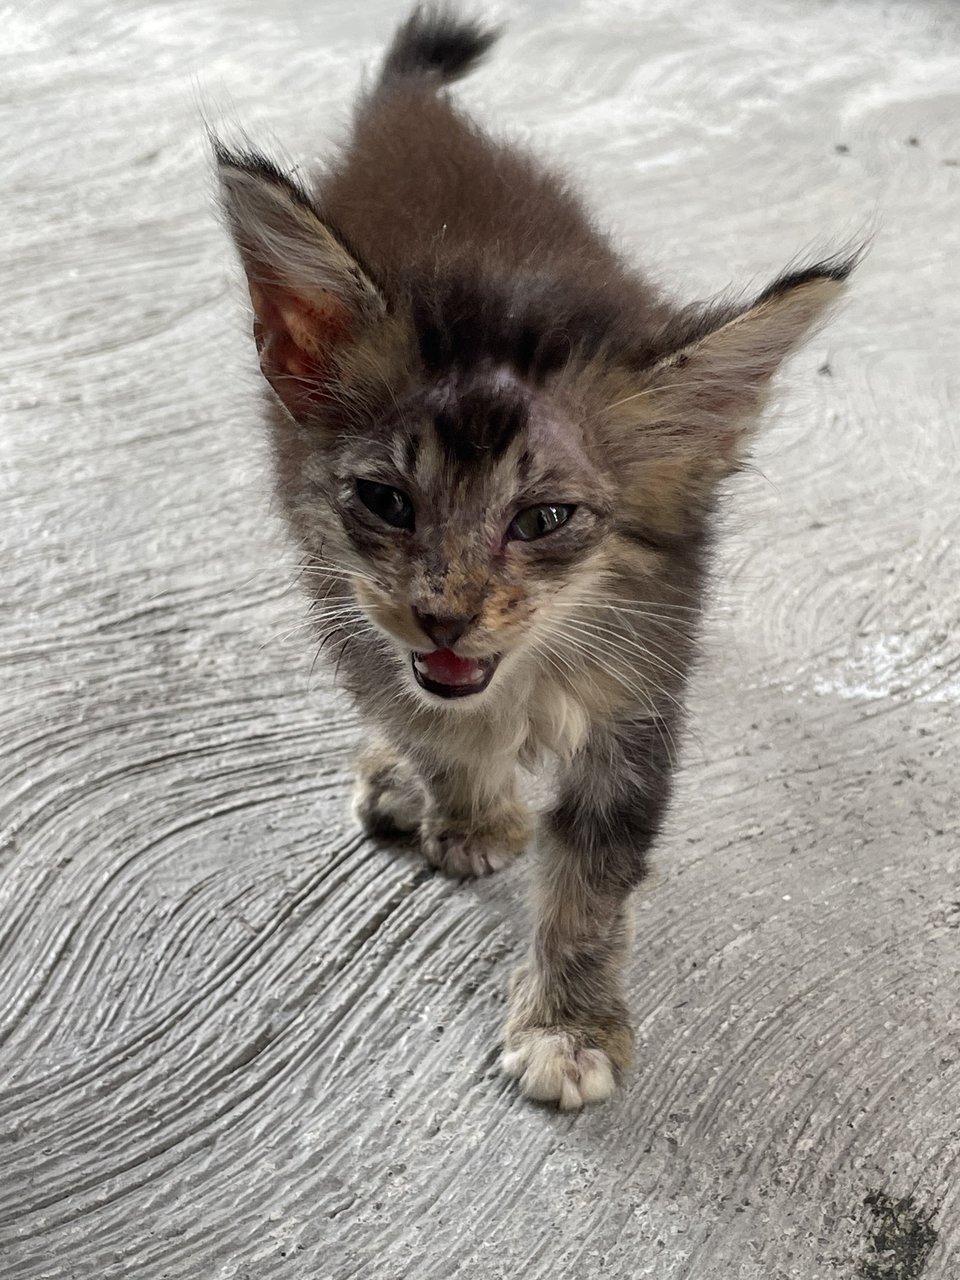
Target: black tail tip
(436, 42)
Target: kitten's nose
(443, 631)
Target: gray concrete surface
(236, 1040)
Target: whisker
(630, 643)
(597, 655)
(575, 675)
(327, 572)
(647, 609)
(643, 696)
(594, 654)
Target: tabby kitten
(499, 449)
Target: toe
(550, 1068)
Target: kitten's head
(478, 460)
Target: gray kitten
(500, 451)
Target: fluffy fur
(438, 316)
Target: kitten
(500, 450)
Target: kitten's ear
(310, 296)
(716, 381)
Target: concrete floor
(236, 1040)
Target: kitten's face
(474, 518)
(462, 501)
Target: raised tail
(436, 44)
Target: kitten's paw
(388, 797)
(572, 1061)
(464, 855)
(479, 847)
(554, 1065)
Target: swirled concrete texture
(237, 1040)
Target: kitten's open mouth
(444, 673)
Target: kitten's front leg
(474, 821)
(469, 817)
(568, 1030)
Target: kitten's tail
(437, 44)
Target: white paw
(551, 1068)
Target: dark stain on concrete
(902, 1238)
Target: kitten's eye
(386, 502)
(535, 522)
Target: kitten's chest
(538, 719)
(556, 722)
(541, 717)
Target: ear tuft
(753, 341)
(839, 268)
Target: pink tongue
(445, 667)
